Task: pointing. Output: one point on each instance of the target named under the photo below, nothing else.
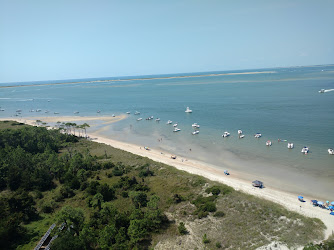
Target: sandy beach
(141, 79)
(288, 200)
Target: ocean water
(281, 104)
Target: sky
(74, 39)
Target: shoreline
(286, 199)
(139, 79)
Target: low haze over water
(283, 103)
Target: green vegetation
(108, 198)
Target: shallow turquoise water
(285, 104)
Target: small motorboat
(56, 113)
(268, 143)
(2, 110)
(322, 91)
(331, 151)
(195, 132)
(128, 112)
(113, 115)
(139, 119)
(226, 134)
(157, 120)
(19, 110)
(195, 125)
(239, 132)
(46, 111)
(137, 113)
(99, 111)
(305, 150)
(169, 122)
(76, 112)
(241, 136)
(176, 130)
(175, 125)
(257, 135)
(290, 145)
(188, 110)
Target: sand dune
(211, 172)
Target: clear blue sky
(66, 39)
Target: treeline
(30, 164)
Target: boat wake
(328, 90)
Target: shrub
(218, 245)
(215, 190)
(182, 229)
(205, 239)
(219, 214)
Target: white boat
(2, 110)
(169, 122)
(31, 110)
(175, 125)
(139, 119)
(99, 111)
(137, 113)
(46, 111)
(268, 143)
(176, 130)
(128, 112)
(38, 110)
(195, 125)
(331, 151)
(241, 136)
(19, 110)
(195, 132)
(322, 91)
(305, 150)
(56, 113)
(257, 135)
(76, 112)
(157, 120)
(226, 134)
(239, 132)
(113, 115)
(290, 145)
(188, 110)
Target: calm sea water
(282, 105)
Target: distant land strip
(141, 79)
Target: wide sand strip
(288, 200)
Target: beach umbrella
(320, 203)
(332, 203)
(314, 201)
(331, 207)
(300, 197)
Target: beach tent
(257, 183)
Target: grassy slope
(249, 222)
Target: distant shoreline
(141, 79)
